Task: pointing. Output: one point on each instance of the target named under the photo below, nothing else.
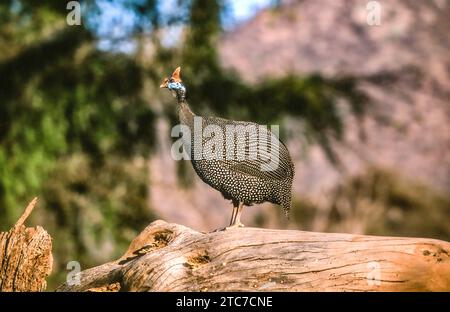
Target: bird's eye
(171, 80)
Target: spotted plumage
(246, 180)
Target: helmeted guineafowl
(249, 166)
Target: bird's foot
(218, 230)
(234, 226)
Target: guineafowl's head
(175, 85)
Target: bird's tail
(286, 207)
(286, 198)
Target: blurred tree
(61, 96)
(74, 130)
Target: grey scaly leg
(237, 218)
(233, 215)
(237, 222)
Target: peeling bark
(171, 257)
(25, 256)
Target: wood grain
(25, 256)
(171, 257)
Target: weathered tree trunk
(171, 257)
(25, 256)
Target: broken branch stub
(25, 256)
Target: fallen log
(171, 257)
(25, 256)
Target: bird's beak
(164, 83)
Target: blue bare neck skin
(178, 90)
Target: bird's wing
(256, 151)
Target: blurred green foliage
(74, 130)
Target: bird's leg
(237, 218)
(233, 218)
(233, 215)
